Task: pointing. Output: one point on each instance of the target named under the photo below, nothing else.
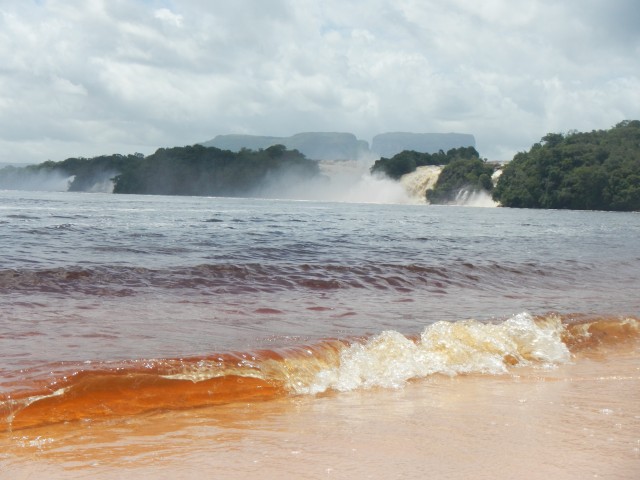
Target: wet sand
(580, 420)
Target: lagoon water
(181, 337)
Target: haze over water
(312, 336)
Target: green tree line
(408, 161)
(199, 170)
(190, 170)
(597, 170)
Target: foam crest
(387, 360)
(390, 359)
(474, 347)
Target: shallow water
(163, 335)
(580, 420)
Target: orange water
(582, 421)
(576, 420)
(388, 360)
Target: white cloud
(104, 76)
(168, 16)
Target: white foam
(390, 359)
(474, 198)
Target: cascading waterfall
(473, 198)
(418, 182)
(352, 182)
(424, 178)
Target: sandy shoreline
(580, 420)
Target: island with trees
(209, 171)
(190, 170)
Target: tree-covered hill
(198, 170)
(408, 161)
(598, 170)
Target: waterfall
(418, 182)
(350, 181)
(474, 198)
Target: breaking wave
(387, 360)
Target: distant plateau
(346, 146)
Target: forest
(597, 170)
(190, 170)
(199, 170)
(408, 161)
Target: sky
(97, 77)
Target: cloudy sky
(91, 77)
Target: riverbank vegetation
(597, 170)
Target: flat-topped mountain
(346, 146)
(314, 145)
(390, 144)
